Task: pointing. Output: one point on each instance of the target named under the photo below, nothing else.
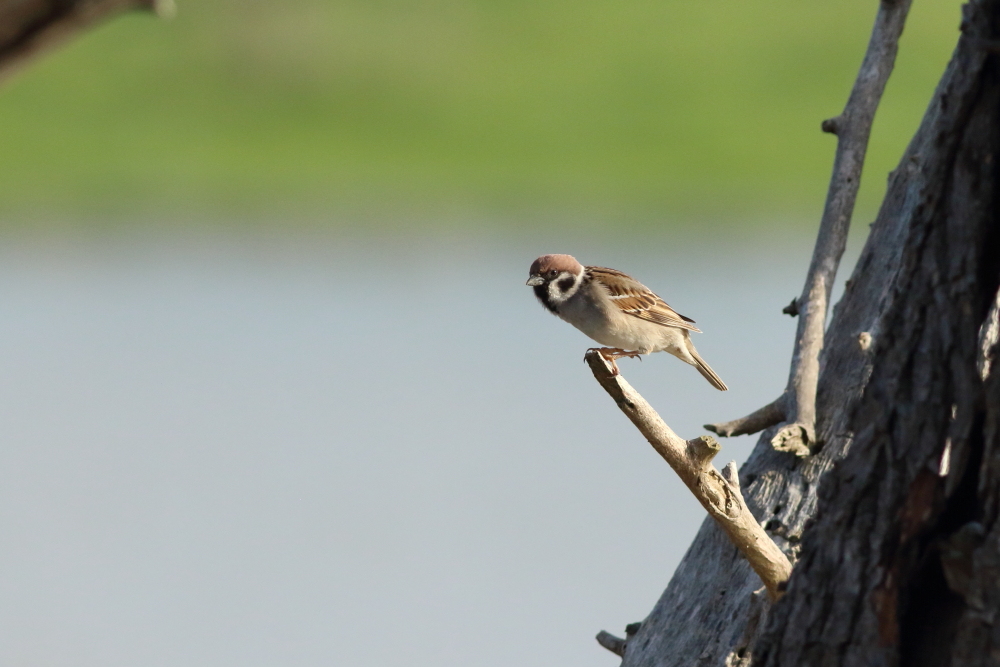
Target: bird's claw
(610, 354)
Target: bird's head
(555, 278)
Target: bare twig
(852, 128)
(692, 461)
(29, 27)
(770, 414)
(614, 644)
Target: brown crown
(560, 263)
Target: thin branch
(769, 415)
(852, 127)
(614, 644)
(692, 461)
(30, 27)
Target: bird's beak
(534, 281)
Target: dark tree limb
(692, 461)
(914, 544)
(709, 614)
(852, 127)
(30, 27)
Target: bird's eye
(553, 273)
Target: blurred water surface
(257, 449)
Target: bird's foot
(611, 353)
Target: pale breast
(596, 315)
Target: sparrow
(615, 310)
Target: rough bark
(914, 305)
(29, 27)
(908, 526)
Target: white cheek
(555, 296)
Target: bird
(615, 310)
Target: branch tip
(614, 644)
(792, 308)
(732, 476)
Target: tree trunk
(901, 563)
(30, 27)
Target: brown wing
(635, 299)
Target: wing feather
(635, 299)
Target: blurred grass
(457, 109)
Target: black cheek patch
(566, 284)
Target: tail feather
(706, 370)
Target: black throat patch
(542, 292)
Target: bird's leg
(603, 351)
(612, 353)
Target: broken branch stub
(617, 645)
(692, 461)
(797, 406)
(614, 644)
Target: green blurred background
(456, 112)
